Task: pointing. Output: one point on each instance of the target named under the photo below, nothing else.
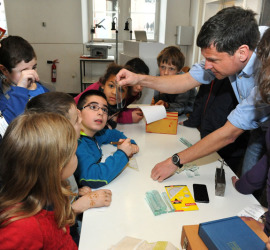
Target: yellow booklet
(181, 198)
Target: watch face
(175, 159)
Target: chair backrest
(49, 86)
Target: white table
(129, 213)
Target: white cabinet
(147, 51)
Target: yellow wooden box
(167, 125)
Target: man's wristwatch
(176, 160)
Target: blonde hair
(34, 150)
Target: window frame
(4, 19)
(124, 12)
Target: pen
(116, 142)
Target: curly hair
(113, 69)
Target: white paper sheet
(254, 211)
(3, 125)
(153, 113)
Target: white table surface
(129, 213)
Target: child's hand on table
(100, 198)
(127, 147)
(97, 198)
(234, 180)
(135, 149)
(137, 115)
(84, 190)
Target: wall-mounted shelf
(88, 77)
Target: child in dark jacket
(91, 171)
(170, 62)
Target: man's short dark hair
(229, 29)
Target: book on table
(181, 198)
(229, 233)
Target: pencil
(116, 142)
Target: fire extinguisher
(54, 70)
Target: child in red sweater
(37, 155)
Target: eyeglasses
(95, 107)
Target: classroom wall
(54, 28)
(174, 13)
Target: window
(104, 11)
(3, 21)
(141, 15)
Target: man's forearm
(173, 84)
(211, 143)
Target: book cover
(190, 239)
(181, 198)
(229, 233)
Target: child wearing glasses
(18, 76)
(107, 85)
(91, 171)
(170, 62)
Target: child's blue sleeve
(13, 102)
(111, 135)
(93, 174)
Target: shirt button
(239, 77)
